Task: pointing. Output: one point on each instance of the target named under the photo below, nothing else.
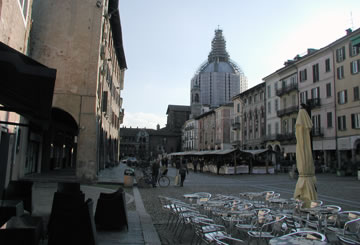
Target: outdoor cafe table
(191, 197)
(251, 195)
(321, 213)
(292, 240)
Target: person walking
(155, 172)
(183, 171)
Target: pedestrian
(195, 163)
(155, 172)
(183, 171)
(218, 165)
(165, 162)
(201, 165)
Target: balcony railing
(317, 132)
(287, 111)
(286, 136)
(271, 137)
(286, 89)
(314, 102)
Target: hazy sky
(166, 41)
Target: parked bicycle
(162, 180)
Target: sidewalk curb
(149, 232)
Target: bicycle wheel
(164, 181)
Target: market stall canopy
(254, 152)
(27, 87)
(217, 152)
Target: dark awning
(26, 86)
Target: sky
(165, 42)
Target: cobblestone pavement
(331, 189)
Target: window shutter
(352, 120)
(345, 93)
(338, 95)
(343, 49)
(104, 102)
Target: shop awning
(355, 41)
(26, 86)
(254, 152)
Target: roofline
(117, 33)
(308, 56)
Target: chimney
(348, 31)
(158, 127)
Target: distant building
(190, 135)
(146, 143)
(177, 115)
(253, 124)
(149, 143)
(217, 80)
(223, 126)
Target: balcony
(286, 89)
(235, 124)
(286, 137)
(271, 137)
(287, 111)
(317, 132)
(316, 102)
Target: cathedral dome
(218, 59)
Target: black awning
(26, 86)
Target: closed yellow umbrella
(305, 189)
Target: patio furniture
(73, 226)
(24, 230)
(10, 208)
(20, 190)
(110, 213)
(268, 230)
(227, 240)
(347, 227)
(300, 237)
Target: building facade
(83, 41)
(236, 136)
(206, 130)
(316, 89)
(347, 83)
(190, 140)
(217, 80)
(223, 125)
(253, 117)
(273, 122)
(26, 92)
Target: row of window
(341, 55)
(316, 120)
(343, 98)
(354, 68)
(355, 121)
(254, 99)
